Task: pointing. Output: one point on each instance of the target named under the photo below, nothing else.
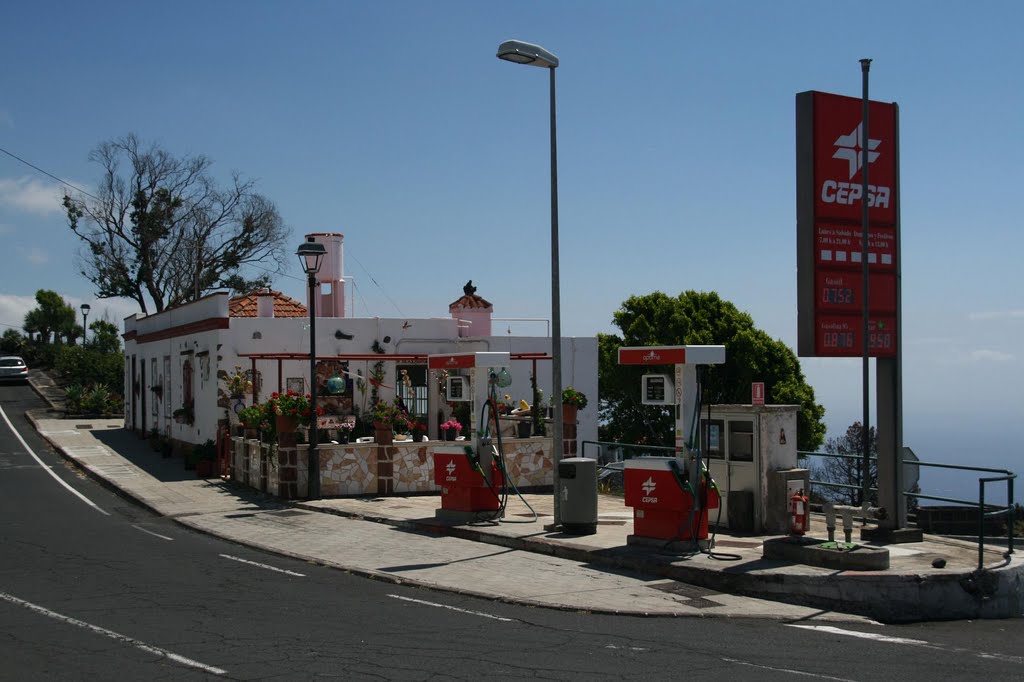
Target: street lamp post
(519, 52)
(311, 255)
(85, 318)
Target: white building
(176, 360)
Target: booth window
(711, 434)
(741, 441)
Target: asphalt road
(113, 592)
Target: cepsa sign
(838, 158)
(831, 146)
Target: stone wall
(370, 469)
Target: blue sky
(394, 123)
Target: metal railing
(664, 451)
(1008, 511)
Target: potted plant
(345, 431)
(238, 384)
(203, 458)
(418, 430)
(289, 409)
(450, 429)
(185, 414)
(387, 418)
(253, 419)
(572, 402)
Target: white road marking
(453, 608)
(269, 568)
(113, 635)
(626, 648)
(162, 537)
(787, 670)
(912, 642)
(46, 468)
(862, 635)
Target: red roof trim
(206, 325)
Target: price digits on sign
(838, 339)
(842, 295)
(880, 340)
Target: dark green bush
(86, 366)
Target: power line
(378, 286)
(49, 175)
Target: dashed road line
(148, 648)
(831, 629)
(453, 608)
(149, 532)
(259, 565)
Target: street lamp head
(526, 53)
(311, 255)
(86, 308)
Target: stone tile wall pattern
(347, 470)
(413, 469)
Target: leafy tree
(698, 318)
(12, 342)
(847, 471)
(90, 366)
(162, 230)
(52, 320)
(105, 337)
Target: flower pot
(343, 437)
(569, 413)
(286, 423)
(383, 434)
(523, 429)
(204, 468)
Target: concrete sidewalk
(398, 539)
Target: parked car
(13, 368)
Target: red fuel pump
(798, 512)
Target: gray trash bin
(578, 495)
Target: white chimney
(264, 303)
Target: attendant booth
(750, 451)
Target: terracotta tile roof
(284, 306)
(471, 301)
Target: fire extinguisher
(798, 513)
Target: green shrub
(89, 366)
(95, 399)
(73, 396)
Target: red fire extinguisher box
(661, 508)
(463, 488)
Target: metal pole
(556, 321)
(314, 455)
(865, 66)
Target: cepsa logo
(851, 148)
(648, 487)
(840, 147)
(450, 468)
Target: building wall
(225, 348)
